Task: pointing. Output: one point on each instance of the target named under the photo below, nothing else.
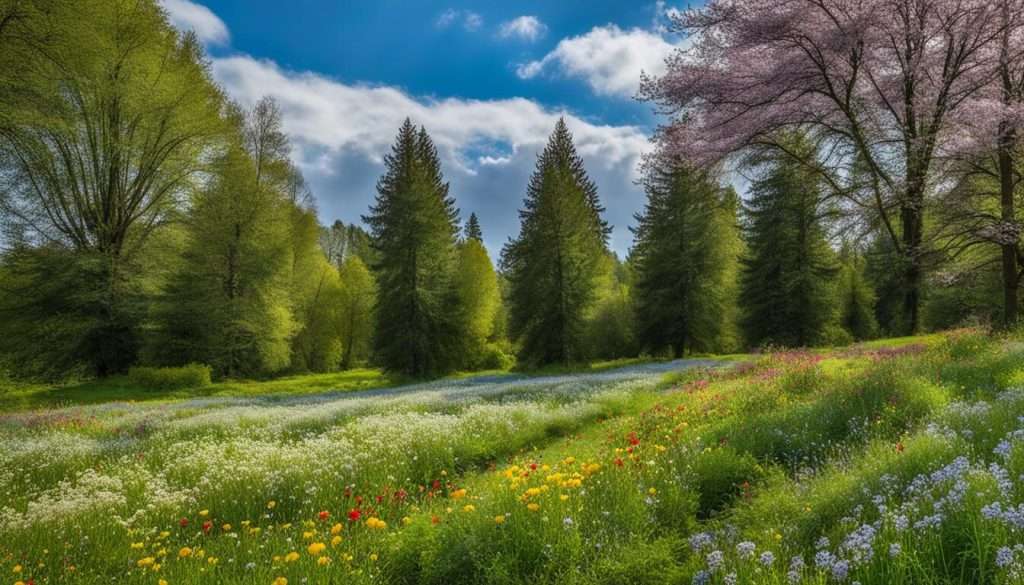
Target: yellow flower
(563, 497)
(162, 582)
(373, 557)
(323, 561)
(184, 552)
(376, 523)
(533, 506)
(468, 508)
(211, 560)
(308, 535)
(652, 491)
(204, 513)
(226, 528)
(137, 545)
(316, 548)
(271, 505)
(255, 531)
(499, 519)
(144, 562)
(336, 528)
(19, 583)
(16, 569)
(156, 567)
(458, 494)
(291, 557)
(407, 520)
(164, 534)
(336, 541)
(280, 581)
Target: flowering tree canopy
(877, 84)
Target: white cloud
(471, 21)
(341, 132)
(186, 15)
(527, 28)
(607, 58)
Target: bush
(190, 376)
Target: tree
(315, 294)
(354, 319)
(473, 231)
(229, 304)
(479, 297)
(855, 296)
(876, 85)
(684, 253)
(786, 289)
(414, 227)
(552, 264)
(117, 115)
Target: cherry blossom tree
(877, 85)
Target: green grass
(570, 482)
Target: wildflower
(211, 560)
(1004, 557)
(204, 513)
(143, 562)
(715, 559)
(701, 578)
(316, 548)
(746, 549)
(895, 549)
(354, 515)
(323, 561)
(270, 506)
(160, 582)
(308, 535)
(280, 581)
(533, 506)
(767, 558)
(16, 569)
(499, 519)
(376, 523)
(840, 569)
(567, 522)
(207, 526)
(184, 552)
(323, 515)
(458, 494)
(374, 557)
(291, 557)
(137, 545)
(183, 522)
(406, 520)
(336, 529)
(226, 528)
(336, 541)
(468, 508)
(730, 579)
(652, 491)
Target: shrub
(190, 376)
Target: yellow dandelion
(316, 548)
(184, 552)
(499, 519)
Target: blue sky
(488, 80)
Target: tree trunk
(1007, 215)
(912, 220)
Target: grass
(881, 463)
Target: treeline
(148, 219)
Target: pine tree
(414, 226)
(479, 297)
(786, 282)
(685, 245)
(552, 264)
(473, 231)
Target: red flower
(533, 467)
(435, 520)
(437, 484)
(359, 499)
(380, 499)
(633, 439)
(207, 526)
(354, 515)
(183, 522)
(324, 515)
(618, 461)
(899, 447)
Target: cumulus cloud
(189, 16)
(527, 28)
(471, 21)
(608, 58)
(488, 147)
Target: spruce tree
(414, 226)
(552, 264)
(473, 231)
(786, 288)
(685, 247)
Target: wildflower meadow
(875, 464)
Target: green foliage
(316, 292)
(610, 330)
(473, 231)
(856, 298)
(354, 318)
(685, 254)
(786, 288)
(414, 225)
(188, 376)
(479, 297)
(552, 265)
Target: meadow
(881, 463)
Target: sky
(488, 80)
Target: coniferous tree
(473, 231)
(552, 264)
(685, 249)
(479, 297)
(414, 225)
(786, 288)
